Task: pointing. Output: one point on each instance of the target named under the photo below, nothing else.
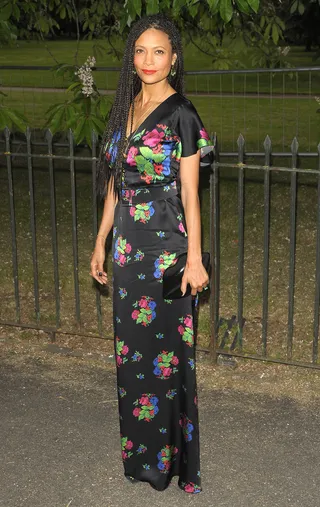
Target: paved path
(248, 95)
(60, 447)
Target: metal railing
(279, 102)
(48, 154)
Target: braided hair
(128, 87)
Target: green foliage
(11, 118)
(84, 110)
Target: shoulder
(184, 104)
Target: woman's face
(153, 56)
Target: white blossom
(85, 75)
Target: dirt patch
(70, 359)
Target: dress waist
(153, 193)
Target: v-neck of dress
(150, 114)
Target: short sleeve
(191, 131)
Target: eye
(138, 50)
(160, 51)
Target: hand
(195, 274)
(97, 260)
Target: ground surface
(60, 444)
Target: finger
(183, 286)
(194, 292)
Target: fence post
(74, 228)
(214, 251)
(53, 219)
(33, 227)
(12, 224)
(95, 221)
(292, 249)
(266, 226)
(317, 276)
(241, 143)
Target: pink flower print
(144, 400)
(131, 154)
(167, 372)
(153, 138)
(143, 303)
(188, 322)
(157, 149)
(181, 227)
(175, 360)
(125, 349)
(189, 488)
(148, 179)
(132, 210)
(204, 134)
(129, 444)
(119, 360)
(124, 455)
(136, 412)
(122, 258)
(128, 248)
(135, 315)
(181, 329)
(161, 126)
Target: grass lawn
(34, 53)
(281, 119)
(279, 258)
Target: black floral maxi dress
(154, 337)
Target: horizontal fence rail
(280, 102)
(66, 293)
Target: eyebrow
(154, 47)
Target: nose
(148, 58)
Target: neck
(153, 92)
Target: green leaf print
(140, 319)
(146, 152)
(138, 136)
(140, 160)
(141, 416)
(148, 168)
(158, 157)
(202, 142)
(119, 347)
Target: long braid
(128, 87)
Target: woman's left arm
(194, 273)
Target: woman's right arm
(98, 255)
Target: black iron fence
(261, 217)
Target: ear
(174, 58)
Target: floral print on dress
(181, 226)
(142, 212)
(150, 216)
(141, 449)
(139, 256)
(162, 262)
(165, 458)
(187, 427)
(145, 312)
(126, 446)
(122, 293)
(190, 487)
(146, 407)
(186, 330)
(121, 251)
(137, 356)
(165, 365)
(121, 352)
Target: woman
(153, 137)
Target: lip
(146, 71)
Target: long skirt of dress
(154, 347)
